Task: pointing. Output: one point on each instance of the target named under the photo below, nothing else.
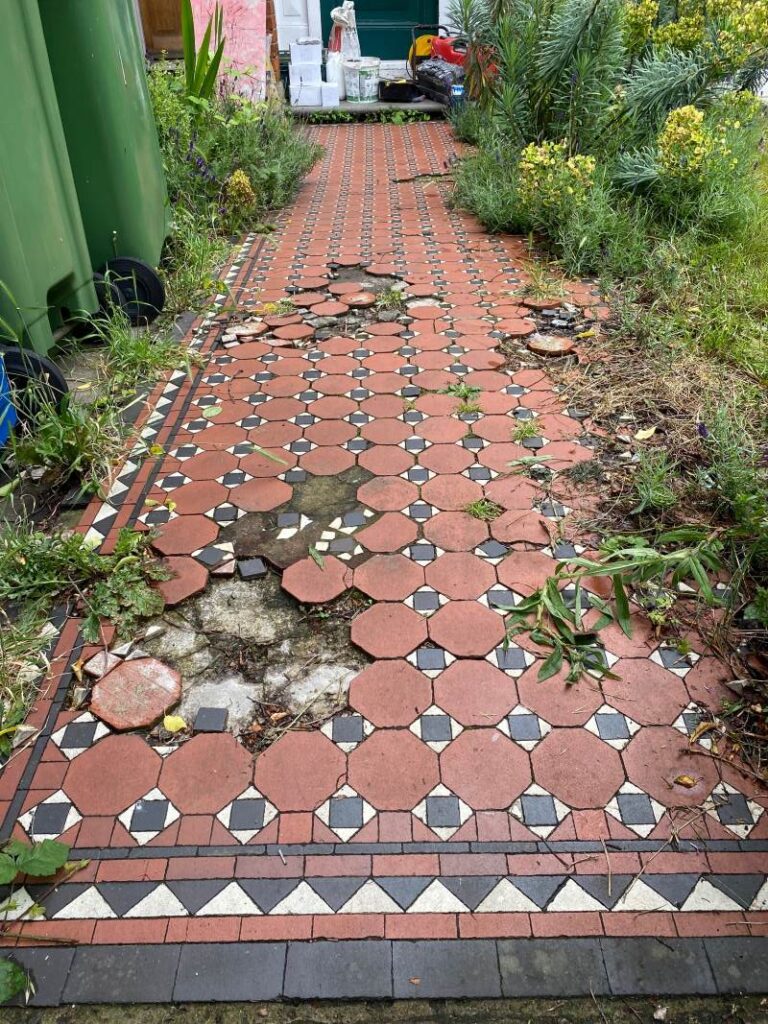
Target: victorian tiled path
(463, 829)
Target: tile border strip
(397, 969)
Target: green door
(384, 26)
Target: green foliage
(391, 299)
(36, 568)
(652, 482)
(673, 142)
(484, 509)
(203, 150)
(201, 68)
(75, 440)
(14, 981)
(40, 860)
(636, 570)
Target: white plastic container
(361, 79)
(303, 95)
(307, 51)
(330, 94)
(334, 71)
(305, 74)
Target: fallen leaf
(174, 723)
(278, 716)
(156, 449)
(686, 781)
(700, 729)
(255, 729)
(643, 435)
(316, 557)
(211, 411)
(85, 387)
(77, 668)
(151, 502)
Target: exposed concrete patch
(251, 648)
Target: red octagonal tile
(390, 693)
(577, 768)
(485, 769)
(389, 577)
(466, 628)
(460, 575)
(389, 630)
(393, 770)
(311, 583)
(455, 531)
(389, 533)
(204, 774)
(387, 493)
(108, 777)
(300, 770)
(656, 757)
(475, 693)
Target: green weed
(36, 569)
(652, 482)
(524, 430)
(484, 509)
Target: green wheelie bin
(45, 268)
(97, 60)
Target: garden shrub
(228, 161)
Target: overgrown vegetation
(36, 860)
(37, 568)
(626, 137)
(228, 162)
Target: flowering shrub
(639, 19)
(549, 180)
(685, 144)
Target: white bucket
(361, 79)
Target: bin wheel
(35, 381)
(109, 295)
(140, 286)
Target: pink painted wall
(245, 32)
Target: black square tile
(247, 815)
(443, 812)
(436, 728)
(149, 816)
(78, 735)
(50, 819)
(211, 720)
(346, 812)
(538, 810)
(347, 729)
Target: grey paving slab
(339, 970)
(48, 969)
(740, 964)
(650, 966)
(447, 969)
(122, 974)
(230, 972)
(552, 968)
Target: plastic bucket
(361, 79)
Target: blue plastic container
(7, 411)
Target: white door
(297, 18)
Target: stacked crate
(306, 76)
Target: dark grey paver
(647, 966)
(740, 964)
(122, 974)
(339, 970)
(446, 969)
(236, 972)
(552, 968)
(48, 968)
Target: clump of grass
(134, 357)
(524, 430)
(73, 440)
(652, 482)
(23, 664)
(461, 390)
(390, 299)
(465, 408)
(36, 569)
(484, 509)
